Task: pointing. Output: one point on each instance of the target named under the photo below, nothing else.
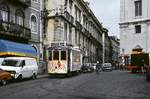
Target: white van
(20, 67)
(1, 60)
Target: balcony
(78, 25)
(87, 33)
(72, 19)
(12, 29)
(67, 15)
(25, 3)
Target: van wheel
(19, 78)
(34, 76)
(4, 82)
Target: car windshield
(14, 63)
(107, 64)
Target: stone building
(36, 26)
(115, 48)
(134, 25)
(106, 47)
(72, 22)
(20, 22)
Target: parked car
(20, 67)
(4, 77)
(107, 66)
(87, 67)
(94, 66)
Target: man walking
(98, 67)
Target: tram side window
(50, 55)
(76, 57)
(55, 55)
(63, 55)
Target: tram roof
(62, 48)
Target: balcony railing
(26, 2)
(14, 30)
(22, 2)
(87, 33)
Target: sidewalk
(45, 75)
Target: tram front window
(63, 55)
(55, 55)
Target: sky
(108, 13)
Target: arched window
(19, 17)
(33, 23)
(4, 12)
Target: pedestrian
(143, 66)
(98, 67)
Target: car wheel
(34, 76)
(4, 82)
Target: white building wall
(53, 6)
(127, 10)
(148, 36)
(128, 38)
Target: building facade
(134, 25)
(115, 49)
(36, 26)
(20, 22)
(72, 22)
(106, 47)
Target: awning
(8, 48)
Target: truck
(138, 60)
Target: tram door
(68, 60)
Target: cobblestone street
(106, 85)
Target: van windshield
(14, 63)
(1, 60)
